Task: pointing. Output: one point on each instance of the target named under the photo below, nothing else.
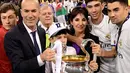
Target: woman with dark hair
(78, 19)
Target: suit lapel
(27, 37)
(42, 37)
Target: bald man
(25, 43)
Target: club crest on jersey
(120, 43)
(108, 36)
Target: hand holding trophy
(92, 63)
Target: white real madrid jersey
(106, 33)
(123, 57)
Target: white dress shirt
(40, 62)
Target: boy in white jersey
(118, 13)
(57, 32)
(102, 27)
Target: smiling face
(9, 19)
(79, 23)
(117, 12)
(30, 13)
(95, 9)
(46, 16)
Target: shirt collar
(101, 24)
(40, 24)
(28, 30)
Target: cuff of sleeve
(40, 62)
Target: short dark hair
(8, 6)
(87, 1)
(125, 2)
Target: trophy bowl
(75, 63)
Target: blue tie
(35, 42)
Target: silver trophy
(78, 63)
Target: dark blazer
(21, 52)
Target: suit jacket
(20, 50)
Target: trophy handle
(85, 42)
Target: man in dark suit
(25, 43)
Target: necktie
(35, 42)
